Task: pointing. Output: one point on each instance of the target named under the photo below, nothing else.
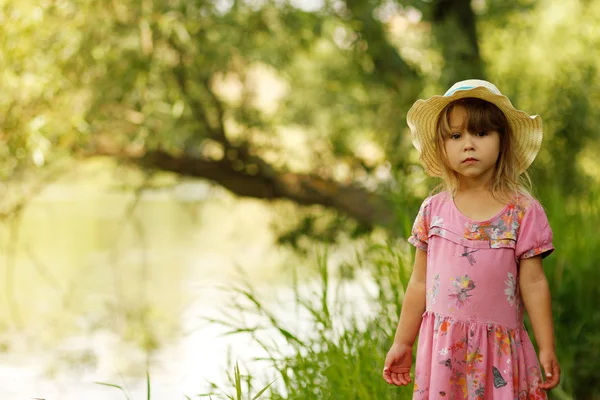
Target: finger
(547, 366)
(554, 380)
(387, 375)
(407, 378)
(402, 379)
(547, 372)
(544, 385)
(396, 379)
(550, 383)
(552, 373)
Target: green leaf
(262, 391)
(114, 386)
(148, 384)
(238, 382)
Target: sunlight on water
(93, 289)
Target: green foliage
(341, 356)
(237, 381)
(124, 390)
(572, 273)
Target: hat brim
(423, 116)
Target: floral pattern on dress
(417, 388)
(501, 229)
(461, 286)
(435, 289)
(437, 221)
(511, 290)
(420, 227)
(441, 325)
(534, 392)
(438, 231)
(468, 370)
(502, 340)
(468, 375)
(476, 374)
(537, 251)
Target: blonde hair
(483, 116)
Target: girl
(480, 243)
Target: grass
(573, 274)
(125, 392)
(237, 386)
(342, 356)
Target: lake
(101, 287)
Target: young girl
(478, 265)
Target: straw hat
(423, 116)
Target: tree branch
(305, 189)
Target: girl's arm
(398, 360)
(413, 305)
(536, 296)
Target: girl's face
(473, 155)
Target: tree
(267, 100)
(147, 79)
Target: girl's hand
(397, 365)
(551, 369)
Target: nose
(468, 144)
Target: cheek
(496, 150)
(451, 150)
(492, 148)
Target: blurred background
(191, 185)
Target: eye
(455, 136)
(482, 133)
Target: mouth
(470, 160)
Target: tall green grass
(237, 383)
(574, 276)
(340, 357)
(125, 392)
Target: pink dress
(472, 341)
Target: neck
(480, 183)
(474, 185)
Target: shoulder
(437, 199)
(434, 205)
(433, 202)
(525, 204)
(530, 212)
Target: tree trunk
(454, 27)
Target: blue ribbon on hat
(450, 92)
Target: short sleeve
(420, 230)
(535, 235)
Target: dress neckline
(478, 222)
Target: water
(92, 285)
